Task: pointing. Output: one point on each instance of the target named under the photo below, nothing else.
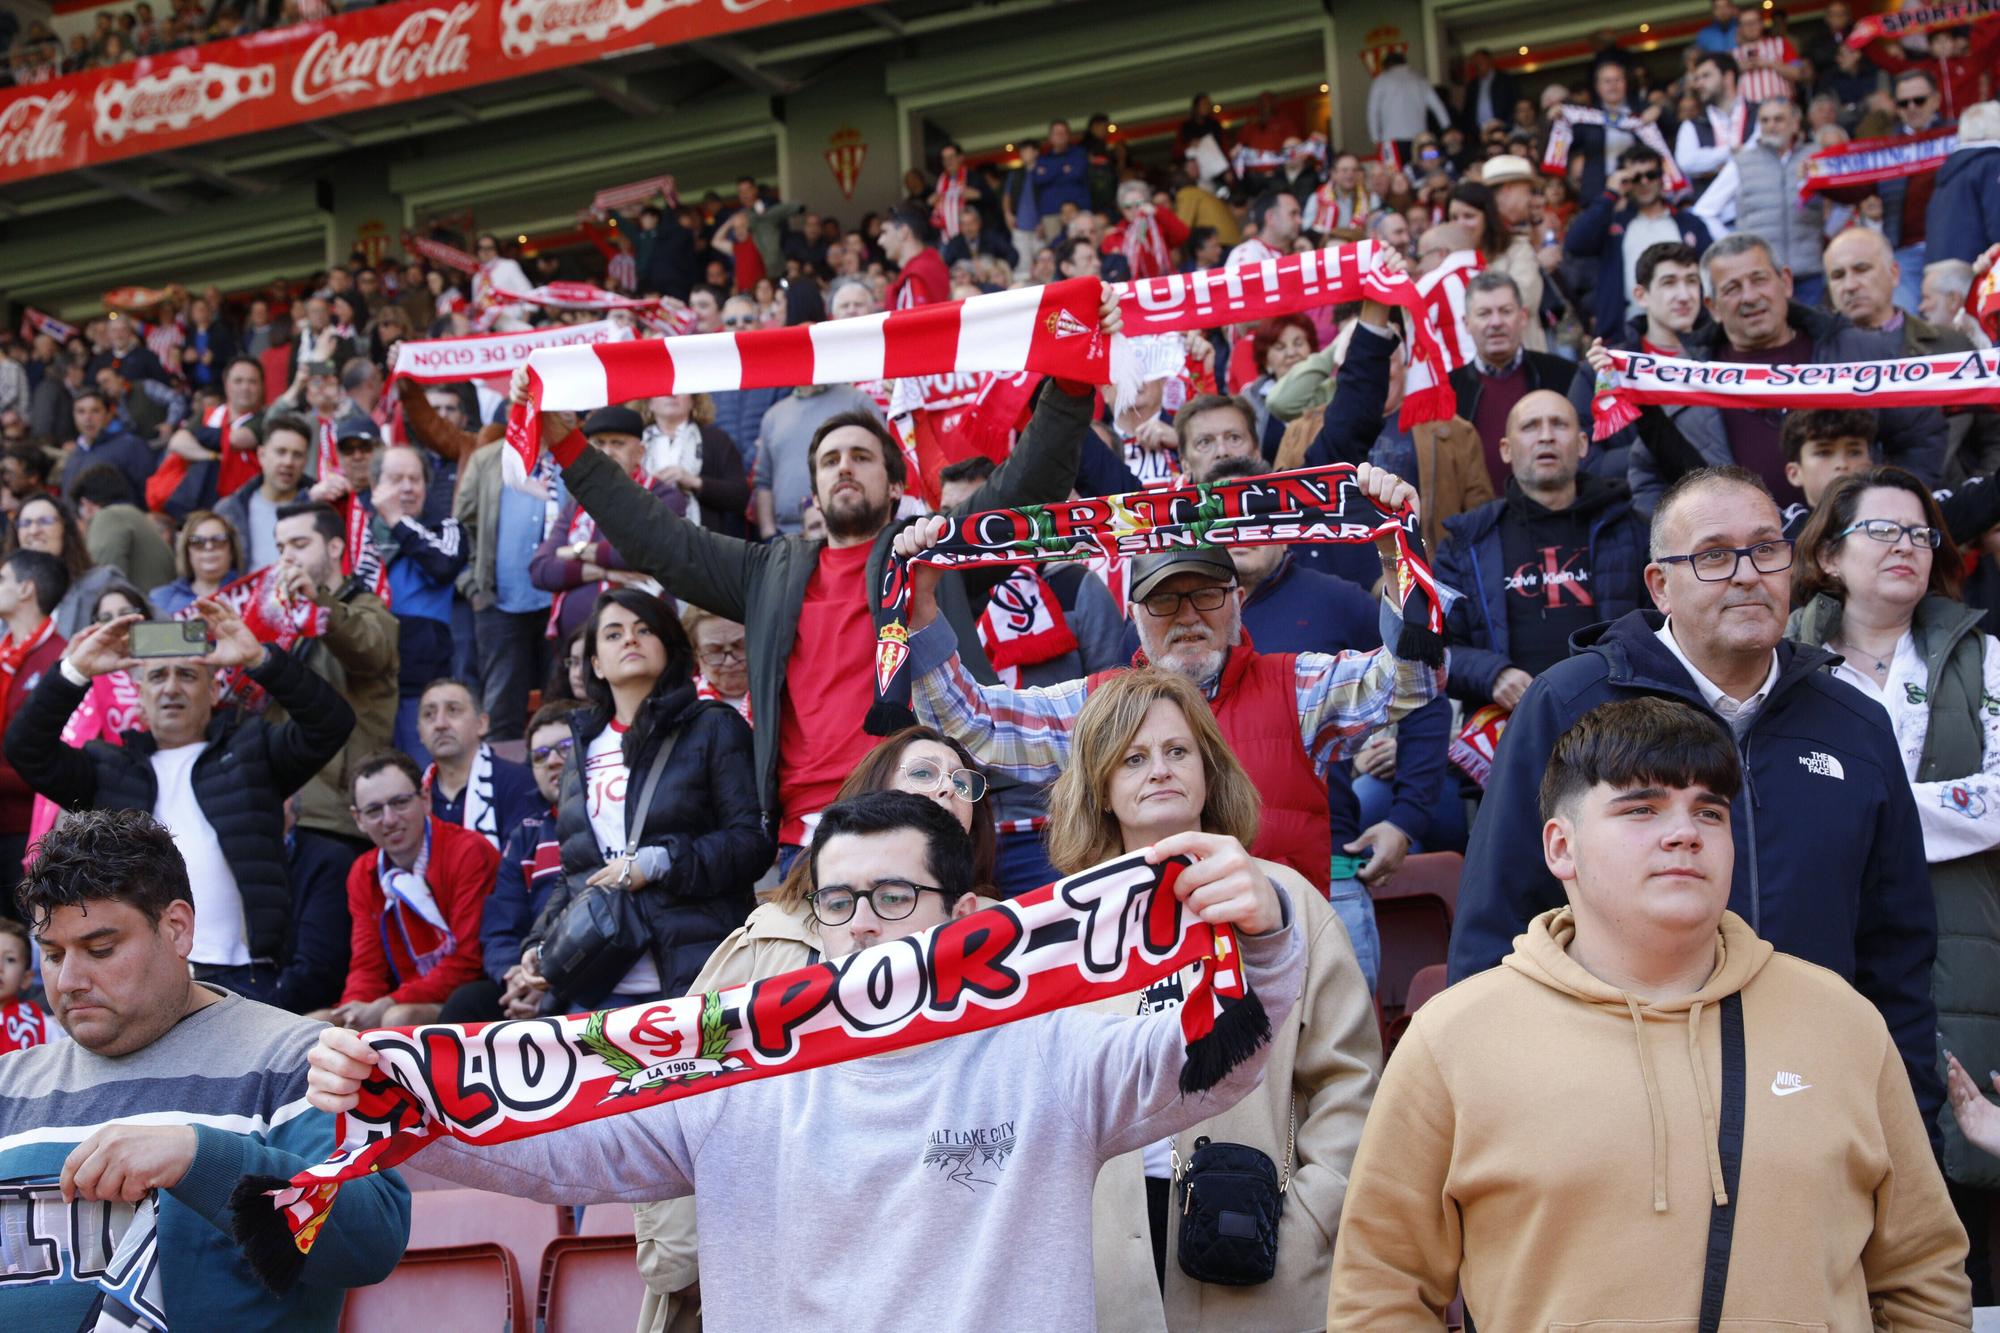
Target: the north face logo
(1823, 764)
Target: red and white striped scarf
(34, 321)
(1444, 290)
(1105, 931)
(705, 689)
(440, 253)
(618, 198)
(622, 272)
(1052, 330)
(165, 342)
(1909, 19)
(1144, 247)
(951, 199)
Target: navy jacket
(1829, 856)
(315, 967)
(530, 865)
(1299, 610)
(1598, 232)
(516, 800)
(1471, 563)
(1964, 213)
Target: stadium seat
(471, 1258)
(1428, 982)
(590, 1281)
(1413, 911)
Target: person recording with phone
(218, 782)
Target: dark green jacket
(764, 586)
(1966, 980)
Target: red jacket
(461, 873)
(17, 800)
(923, 280)
(1256, 705)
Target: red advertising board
(367, 58)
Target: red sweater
(461, 872)
(17, 801)
(923, 281)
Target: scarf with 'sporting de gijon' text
(1310, 506)
(1109, 930)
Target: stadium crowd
(35, 53)
(1717, 733)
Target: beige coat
(1324, 1062)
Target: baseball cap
(1149, 571)
(356, 428)
(613, 421)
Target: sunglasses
(359, 444)
(214, 541)
(1638, 176)
(1914, 101)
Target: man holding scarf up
(967, 1163)
(805, 603)
(1288, 717)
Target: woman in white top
(1875, 577)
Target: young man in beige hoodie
(1557, 1137)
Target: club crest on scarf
(1109, 930)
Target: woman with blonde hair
(1148, 761)
(685, 448)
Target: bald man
(1561, 551)
(1861, 279)
(1438, 243)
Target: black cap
(613, 421)
(356, 428)
(1149, 571)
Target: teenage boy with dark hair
(1825, 444)
(170, 1089)
(1819, 1182)
(1070, 1090)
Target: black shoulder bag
(1231, 1201)
(1729, 1146)
(602, 932)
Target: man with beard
(1288, 716)
(804, 603)
(1829, 853)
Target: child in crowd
(22, 1021)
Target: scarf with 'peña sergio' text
(1109, 930)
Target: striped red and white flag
(165, 342)
(618, 198)
(1444, 305)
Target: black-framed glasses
(929, 779)
(541, 754)
(372, 814)
(1718, 564)
(1888, 530)
(1166, 605)
(889, 899)
(722, 654)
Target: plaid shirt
(1025, 734)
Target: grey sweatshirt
(944, 1187)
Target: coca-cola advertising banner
(368, 58)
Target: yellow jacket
(1549, 1142)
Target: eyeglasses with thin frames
(541, 754)
(929, 779)
(373, 813)
(1887, 530)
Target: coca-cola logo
(428, 44)
(528, 25)
(31, 128)
(176, 98)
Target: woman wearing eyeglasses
(722, 661)
(1148, 762)
(45, 523)
(1876, 581)
(208, 554)
(781, 936)
(700, 840)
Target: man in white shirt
(218, 782)
(1703, 147)
(1400, 102)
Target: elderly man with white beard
(1288, 716)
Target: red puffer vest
(1257, 707)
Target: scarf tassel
(1222, 1021)
(267, 1243)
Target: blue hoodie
(1829, 856)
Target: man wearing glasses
(1829, 854)
(971, 1151)
(415, 901)
(1289, 717)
